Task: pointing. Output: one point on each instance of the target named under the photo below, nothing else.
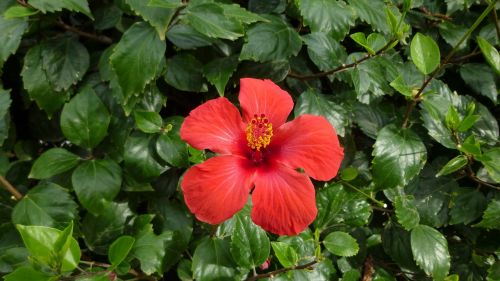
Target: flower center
(259, 132)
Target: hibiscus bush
(247, 140)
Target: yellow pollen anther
(259, 132)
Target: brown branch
(495, 19)
(368, 269)
(481, 182)
(434, 16)
(10, 188)
(340, 68)
(24, 3)
(281, 270)
(99, 38)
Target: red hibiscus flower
(258, 155)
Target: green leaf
(148, 121)
(430, 250)
(184, 271)
(5, 103)
(341, 244)
(348, 174)
(186, 37)
(452, 33)
(324, 50)
(250, 245)
(139, 158)
(494, 272)
(18, 11)
(85, 119)
(11, 35)
(240, 14)
(467, 207)
(172, 149)
(267, 41)
(169, 4)
(490, 53)
(372, 12)
(40, 242)
(185, 72)
(120, 249)
(65, 62)
(481, 79)
(406, 211)
(452, 119)
(396, 243)
(55, 6)
(400, 151)
(424, 53)
(453, 165)
(99, 231)
(37, 82)
(209, 19)
(52, 162)
(212, 261)
(47, 204)
(490, 217)
(336, 206)
(400, 85)
(490, 161)
(312, 102)
(28, 273)
(136, 59)
(285, 253)
(334, 17)
(218, 72)
(63, 241)
(96, 182)
(370, 78)
(159, 18)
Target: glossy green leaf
(172, 149)
(148, 121)
(452, 119)
(99, 231)
(185, 73)
(186, 37)
(467, 207)
(274, 40)
(52, 162)
(45, 6)
(85, 119)
(65, 62)
(240, 14)
(481, 79)
(209, 19)
(430, 250)
(19, 12)
(29, 273)
(36, 81)
(336, 205)
(341, 244)
(139, 157)
(324, 50)
(120, 249)
(400, 85)
(285, 253)
(490, 161)
(218, 72)
(371, 78)
(490, 53)
(452, 33)
(212, 261)
(159, 18)
(494, 272)
(63, 241)
(184, 271)
(137, 57)
(372, 12)
(334, 17)
(453, 165)
(40, 242)
(312, 102)
(424, 53)
(400, 151)
(250, 245)
(490, 217)
(46, 205)
(406, 211)
(169, 4)
(12, 32)
(396, 243)
(96, 182)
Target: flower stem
(379, 203)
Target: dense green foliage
(93, 93)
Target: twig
(416, 98)
(368, 269)
(281, 270)
(99, 38)
(24, 3)
(495, 19)
(379, 203)
(10, 188)
(481, 182)
(434, 16)
(340, 68)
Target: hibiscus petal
(311, 143)
(264, 97)
(283, 201)
(218, 188)
(214, 125)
